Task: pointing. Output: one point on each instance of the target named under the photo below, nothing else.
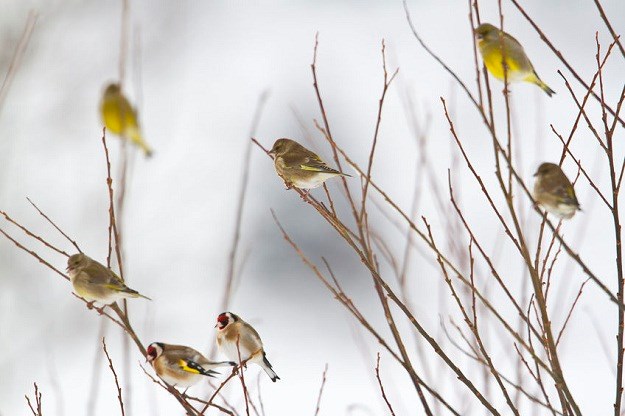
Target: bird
(554, 191)
(235, 336)
(179, 365)
(300, 167)
(120, 117)
(519, 67)
(94, 282)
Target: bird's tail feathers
(535, 80)
(135, 136)
(266, 365)
(133, 293)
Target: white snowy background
(196, 78)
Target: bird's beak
(216, 325)
(536, 174)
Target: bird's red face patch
(222, 320)
(151, 353)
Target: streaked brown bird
(554, 191)
(300, 167)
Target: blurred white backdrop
(196, 77)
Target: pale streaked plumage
(181, 366)
(120, 118)
(94, 282)
(519, 66)
(232, 329)
(554, 191)
(300, 167)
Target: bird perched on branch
(94, 282)
(181, 366)
(236, 338)
(300, 167)
(519, 67)
(120, 118)
(554, 191)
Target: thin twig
(377, 375)
(54, 225)
(323, 383)
(119, 389)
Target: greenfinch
(520, 68)
(120, 118)
(94, 282)
(181, 366)
(300, 167)
(554, 191)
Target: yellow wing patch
(183, 366)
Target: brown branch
(36, 410)
(119, 390)
(30, 234)
(609, 26)
(323, 383)
(377, 375)
(54, 225)
(242, 378)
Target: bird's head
(77, 261)
(279, 147)
(546, 169)
(112, 89)
(154, 350)
(224, 319)
(486, 30)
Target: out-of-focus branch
(17, 55)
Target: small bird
(232, 330)
(120, 118)
(181, 366)
(554, 191)
(96, 283)
(518, 64)
(300, 167)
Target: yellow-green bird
(554, 191)
(94, 282)
(300, 167)
(120, 118)
(520, 68)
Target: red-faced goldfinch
(181, 366)
(96, 283)
(554, 191)
(300, 167)
(232, 330)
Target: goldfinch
(181, 366)
(554, 191)
(120, 118)
(519, 66)
(96, 283)
(232, 330)
(300, 167)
